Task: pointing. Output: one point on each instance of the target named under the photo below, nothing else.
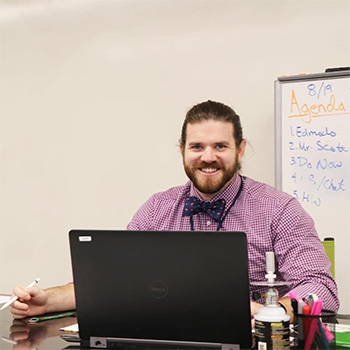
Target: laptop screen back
(162, 285)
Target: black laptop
(161, 289)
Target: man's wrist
(287, 306)
(281, 305)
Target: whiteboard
(312, 119)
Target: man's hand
(254, 309)
(31, 301)
(27, 336)
(35, 301)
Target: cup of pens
(314, 328)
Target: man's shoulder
(155, 213)
(261, 196)
(172, 194)
(257, 189)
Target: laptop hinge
(105, 343)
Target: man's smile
(209, 170)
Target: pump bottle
(271, 322)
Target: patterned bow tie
(193, 206)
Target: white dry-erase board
(312, 116)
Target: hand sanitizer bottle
(272, 322)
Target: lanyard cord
(227, 211)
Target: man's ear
(241, 150)
(182, 149)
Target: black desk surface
(21, 335)
(43, 335)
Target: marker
(316, 311)
(14, 298)
(310, 302)
(294, 306)
(293, 295)
(300, 320)
(306, 312)
(313, 296)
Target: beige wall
(93, 94)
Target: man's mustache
(207, 165)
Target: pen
(14, 298)
(9, 340)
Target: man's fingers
(18, 305)
(19, 323)
(22, 293)
(23, 345)
(19, 317)
(19, 327)
(19, 336)
(19, 313)
(253, 323)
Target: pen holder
(310, 331)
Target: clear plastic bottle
(272, 324)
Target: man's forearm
(60, 298)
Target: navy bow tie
(193, 206)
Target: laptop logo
(158, 289)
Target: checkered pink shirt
(272, 220)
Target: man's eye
(196, 147)
(219, 146)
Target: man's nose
(208, 155)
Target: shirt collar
(228, 194)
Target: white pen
(14, 298)
(9, 340)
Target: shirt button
(208, 223)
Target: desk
(43, 335)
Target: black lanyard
(224, 217)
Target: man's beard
(210, 185)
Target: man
(217, 198)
